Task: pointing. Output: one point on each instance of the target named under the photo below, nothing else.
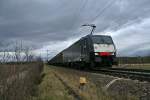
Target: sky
(53, 25)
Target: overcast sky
(55, 24)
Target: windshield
(102, 39)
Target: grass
(135, 62)
(19, 81)
(135, 66)
(22, 81)
(52, 88)
(29, 81)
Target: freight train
(88, 52)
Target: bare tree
(23, 53)
(5, 56)
(28, 54)
(18, 53)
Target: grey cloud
(40, 22)
(133, 39)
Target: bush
(19, 81)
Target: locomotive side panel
(57, 60)
(73, 53)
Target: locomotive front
(104, 50)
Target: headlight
(112, 53)
(96, 53)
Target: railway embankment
(64, 84)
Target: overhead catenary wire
(78, 12)
(108, 5)
(83, 6)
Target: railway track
(135, 74)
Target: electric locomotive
(89, 51)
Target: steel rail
(135, 74)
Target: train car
(89, 51)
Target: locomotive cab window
(102, 40)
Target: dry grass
(19, 81)
(135, 66)
(91, 91)
(134, 62)
(51, 88)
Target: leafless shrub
(20, 72)
(17, 53)
(19, 81)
